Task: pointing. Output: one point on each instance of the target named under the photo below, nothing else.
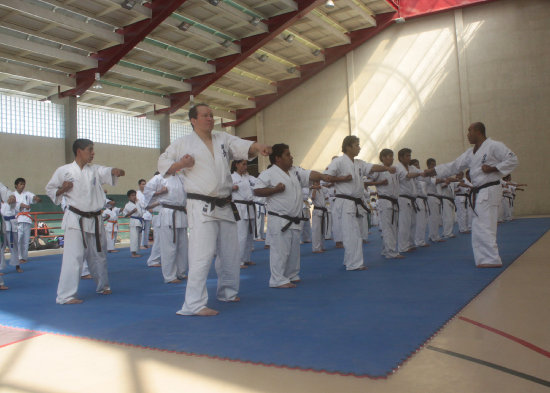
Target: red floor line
(526, 344)
(23, 339)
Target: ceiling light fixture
(97, 84)
(255, 21)
(400, 20)
(214, 2)
(316, 52)
(226, 43)
(263, 58)
(128, 4)
(289, 38)
(291, 70)
(329, 4)
(184, 26)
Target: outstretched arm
(268, 191)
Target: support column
(164, 125)
(70, 117)
(263, 161)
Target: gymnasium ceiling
(136, 57)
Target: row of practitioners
(201, 163)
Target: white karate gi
(260, 216)
(147, 217)
(448, 215)
(136, 224)
(509, 194)
(284, 253)
(9, 213)
(173, 231)
(5, 233)
(305, 235)
(388, 211)
(110, 216)
(347, 210)
(375, 217)
(211, 229)
(318, 219)
(462, 208)
(336, 225)
(423, 213)
(153, 185)
(434, 205)
(406, 230)
(87, 195)
(247, 224)
(484, 223)
(365, 214)
(24, 222)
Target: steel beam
(416, 8)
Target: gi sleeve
(262, 181)
(238, 147)
(167, 158)
(4, 193)
(451, 168)
(365, 167)
(54, 184)
(303, 175)
(508, 159)
(105, 176)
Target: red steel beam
(407, 9)
(133, 35)
(249, 46)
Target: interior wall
(421, 83)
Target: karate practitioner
(364, 211)
(282, 186)
(147, 215)
(260, 217)
(133, 210)
(202, 159)
(173, 231)
(434, 204)
(80, 182)
(387, 186)
(422, 203)
(6, 198)
(448, 211)
(306, 214)
(319, 219)
(110, 216)
(406, 229)
(348, 199)
(461, 200)
(24, 199)
(154, 188)
(243, 197)
(488, 161)
(9, 212)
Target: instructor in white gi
(488, 161)
(202, 159)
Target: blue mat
(361, 323)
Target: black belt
(510, 200)
(465, 199)
(413, 202)
(260, 204)
(214, 201)
(394, 202)
(440, 201)
(248, 204)
(358, 202)
(291, 220)
(174, 208)
(452, 200)
(473, 193)
(425, 200)
(93, 215)
(325, 213)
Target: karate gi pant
(135, 236)
(353, 243)
(306, 230)
(336, 227)
(484, 227)
(260, 224)
(145, 233)
(284, 255)
(154, 258)
(448, 218)
(461, 214)
(364, 224)
(85, 269)
(328, 232)
(506, 209)
(174, 255)
(74, 255)
(389, 230)
(407, 225)
(317, 241)
(246, 240)
(421, 223)
(434, 218)
(23, 238)
(205, 240)
(14, 247)
(111, 240)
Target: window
(117, 129)
(25, 116)
(177, 130)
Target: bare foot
(365, 241)
(425, 245)
(399, 256)
(155, 265)
(3, 287)
(183, 277)
(112, 251)
(22, 261)
(234, 300)
(74, 301)
(287, 285)
(86, 277)
(136, 255)
(207, 312)
(488, 266)
(360, 268)
(339, 245)
(176, 281)
(318, 252)
(244, 267)
(411, 249)
(295, 281)
(266, 246)
(1, 274)
(106, 292)
(18, 269)
(143, 248)
(250, 263)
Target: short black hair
(415, 161)
(130, 192)
(401, 153)
(81, 144)
(193, 112)
(19, 180)
(234, 164)
(385, 153)
(430, 161)
(141, 180)
(348, 141)
(479, 126)
(277, 150)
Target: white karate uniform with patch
(246, 212)
(346, 210)
(211, 229)
(110, 216)
(284, 252)
(153, 185)
(147, 217)
(10, 227)
(24, 222)
(136, 225)
(388, 213)
(87, 195)
(406, 230)
(174, 252)
(484, 222)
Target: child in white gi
(6, 197)
(8, 211)
(110, 216)
(80, 182)
(147, 215)
(319, 219)
(154, 188)
(24, 199)
(461, 202)
(134, 211)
